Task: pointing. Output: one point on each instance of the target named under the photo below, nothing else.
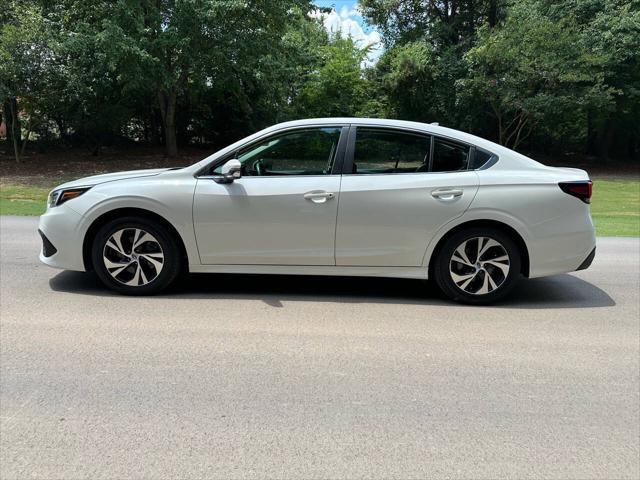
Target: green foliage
(613, 34)
(22, 56)
(424, 60)
(441, 24)
(539, 75)
(532, 71)
(418, 82)
(536, 74)
(24, 60)
(337, 87)
(171, 51)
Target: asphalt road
(256, 376)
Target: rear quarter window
(482, 158)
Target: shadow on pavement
(561, 291)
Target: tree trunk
(154, 126)
(26, 137)
(472, 19)
(24, 144)
(167, 101)
(12, 123)
(607, 138)
(632, 147)
(592, 135)
(145, 122)
(61, 130)
(498, 116)
(493, 13)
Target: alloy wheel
(479, 265)
(133, 257)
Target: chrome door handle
(447, 193)
(318, 196)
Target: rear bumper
(562, 253)
(587, 261)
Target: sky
(346, 18)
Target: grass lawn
(615, 207)
(22, 200)
(615, 204)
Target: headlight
(58, 197)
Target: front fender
(173, 202)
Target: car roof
(384, 122)
(381, 122)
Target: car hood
(110, 177)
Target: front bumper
(48, 248)
(61, 226)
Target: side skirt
(393, 272)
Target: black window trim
(336, 169)
(491, 161)
(351, 144)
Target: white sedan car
(334, 196)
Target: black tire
(169, 250)
(444, 266)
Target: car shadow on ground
(560, 291)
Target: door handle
(447, 193)
(318, 196)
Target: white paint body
(374, 225)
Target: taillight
(581, 189)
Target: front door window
(299, 152)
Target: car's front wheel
(477, 266)
(135, 256)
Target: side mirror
(230, 171)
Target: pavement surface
(317, 377)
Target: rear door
(398, 188)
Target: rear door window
(449, 156)
(390, 151)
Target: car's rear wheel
(135, 256)
(477, 266)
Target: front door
(401, 187)
(283, 209)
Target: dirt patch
(50, 169)
(629, 169)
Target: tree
(536, 74)
(613, 35)
(182, 41)
(439, 23)
(169, 49)
(263, 91)
(419, 82)
(24, 58)
(337, 87)
(506, 70)
(426, 42)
